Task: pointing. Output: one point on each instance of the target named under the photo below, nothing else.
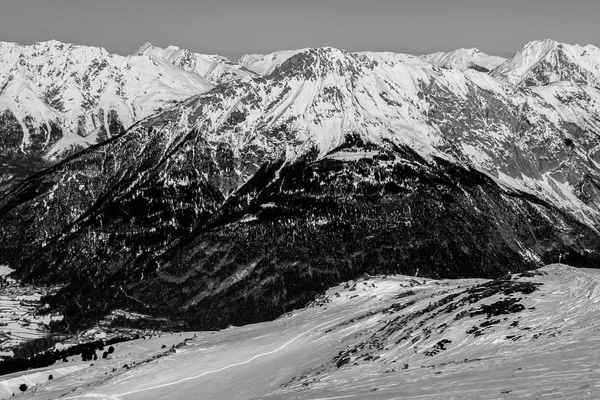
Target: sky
(236, 27)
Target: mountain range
(219, 192)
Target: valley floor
(531, 335)
(19, 320)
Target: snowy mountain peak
(263, 64)
(463, 50)
(463, 59)
(314, 62)
(324, 59)
(54, 95)
(212, 67)
(547, 61)
(541, 44)
(55, 46)
(537, 49)
(172, 53)
(142, 49)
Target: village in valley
(20, 320)
(23, 318)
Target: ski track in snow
(547, 349)
(283, 346)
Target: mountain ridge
(245, 193)
(547, 61)
(464, 59)
(214, 68)
(57, 98)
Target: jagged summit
(547, 42)
(81, 50)
(463, 59)
(547, 61)
(169, 51)
(215, 68)
(142, 49)
(263, 64)
(63, 95)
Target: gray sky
(236, 27)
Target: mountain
(320, 96)
(376, 337)
(264, 64)
(57, 98)
(246, 201)
(214, 68)
(463, 59)
(546, 61)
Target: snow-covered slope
(214, 68)
(59, 95)
(264, 64)
(318, 96)
(294, 151)
(546, 61)
(525, 335)
(463, 59)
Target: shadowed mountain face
(245, 202)
(323, 222)
(293, 230)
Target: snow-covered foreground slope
(533, 334)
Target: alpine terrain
(200, 193)
(533, 334)
(58, 98)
